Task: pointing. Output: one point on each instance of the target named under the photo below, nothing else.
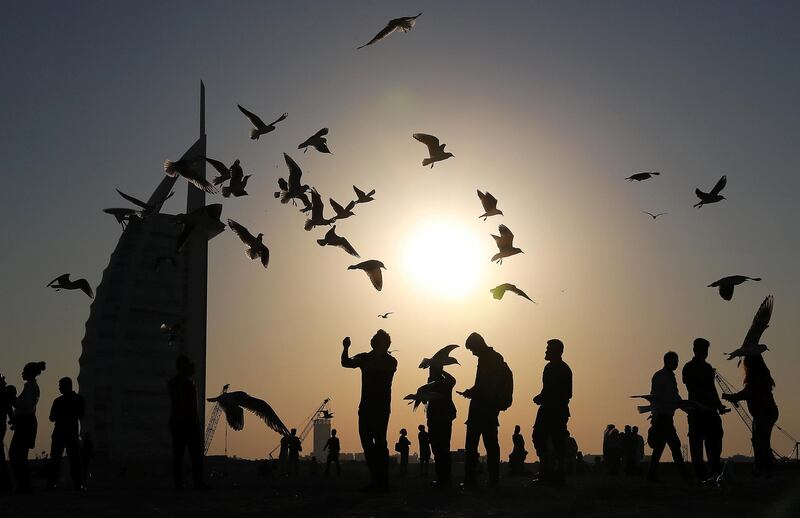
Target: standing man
(332, 445)
(491, 393)
(377, 370)
(66, 413)
(441, 412)
(184, 423)
(25, 426)
(550, 429)
(705, 424)
(295, 447)
(665, 399)
(8, 394)
(424, 450)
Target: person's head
(435, 370)
(555, 348)
(700, 348)
(381, 341)
(516, 429)
(333, 432)
(32, 369)
(635, 429)
(755, 370)
(403, 432)
(475, 344)
(184, 366)
(10, 392)
(671, 360)
(614, 432)
(65, 385)
(2, 382)
(421, 428)
(610, 427)
(627, 428)
(293, 431)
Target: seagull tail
(254, 134)
(170, 168)
(309, 225)
(226, 192)
(427, 162)
(321, 242)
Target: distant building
(322, 431)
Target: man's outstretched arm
(347, 362)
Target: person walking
(424, 450)
(332, 445)
(665, 399)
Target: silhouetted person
(424, 450)
(606, 453)
(283, 456)
(628, 451)
(705, 424)
(757, 391)
(8, 394)
(441, 412)
(516, 460)
(87, 454)
(613, 461)
(402, 447)
(184, 423)
(639, 455)
(66, 413)
(550, 428)
(665, 399)
(571, 455)
(332, 445)
(25, 426)
(377, 370)
(295, 447)
(489, 395)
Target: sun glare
(444, 257)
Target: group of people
(19, 411)
(623, 450)
(403, 447)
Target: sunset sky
(547, 105)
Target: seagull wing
(133, 200)
(344, 244)
(443, 354)
(221, 168)
(519, 292)
(720, 185)
(262, 409)
(282, 117)
(336, 207)
(505, 239)
(244, 234)
(263, 252)
(760, 322)
(359, 193)
(60, 279)
(254, 119)
(83, 285)
(295, 173)
(198, 181)
(726, 290)
(429, 140)
(376, 277)
(381, 35)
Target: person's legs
(382, 449)
(714, 434)
(178, 444)
(674, 443)
(367, 444)
(73, 447)
(195, 444)
(338, 467)
(657, 442)
(56, 452)
(23, 440)
(471, 453)
(697, 438)
(492, 452)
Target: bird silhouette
(362, 197)
(185, 167)
(436, 151)
(223, 170)
(326, 414)
(404, 24)
(727, 284)
(714, 195)
(238, 182)
(234, 404)
(501, 290)
(661, 405)
(206, 218)
(386, 315)
(146, 208)
(331, 239)
(255, 245)
(504, 242)
(750, 344)
(373, 270)
(317, 141)
(162, 259)
(317, 207)
(342, 212)
(260, 128)
(424, 395)
(442, 358)
(122, 215)
(654, 216)
(644, 175)
(293, 190)
(63, 282)
(489, 204)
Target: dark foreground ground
(242, 488)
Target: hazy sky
(548, 105)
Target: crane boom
(213, 421)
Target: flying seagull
(750, 345)
(726, 284)
(223, 170)
(122, 215)
(662, 405)
(711, 197)
(362, 197)
(185, 168)
(147, 208)
(331, 239)
(292, 190)
(489, 203)
(326, 414)
(260, 128)
(317, 208)
(501, 290)
(342, 212)
(233, 403)
(255, 246)
(504, 242)
(386, 315)
(436, 151)
(644, 175)
(442, 358)
(62, 282)
(404, 24)
(238, 182)
(317, 141)
(373, 270)
(424, 395)
(654, 216)
(206, 218)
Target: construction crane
(213, 421)
(322, 410)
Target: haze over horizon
(548, 106)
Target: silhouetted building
(126, 359)
(322, 431)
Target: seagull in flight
(224, 171)
(317, 208)
(146, 208)
(362, 197)
(206, 218)
(63, 282)
(501, 290)
(234, 404)
(238, 182)
(489, 203)
(714, 195)
(726, 284)
(260, 128)
(654, 216)
(436, 151)
(442, 358)
(255, 245)
(644, 175)
(750, 345)
(424, 395)
(326, 414)
(185, 167)
(342, 212)
(403, 24)
(122, 215)
(293, 190)
(504, 242)
(373, 270)
(317, 141)
(386, 315)
(331, 239)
